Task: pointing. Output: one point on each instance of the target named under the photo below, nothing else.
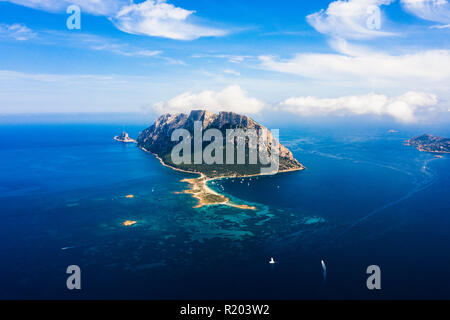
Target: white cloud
(432, 10)
(125, 51)
(230, 57)
(156, 18)
(358, 69)
(232, 98)
(16, 31)
(160, 19)
(98, 43)
(431, 66)
(173, 61)
(232, 72)
(348, 19)
(405, 108)
(441, 26)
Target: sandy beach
(198, 187)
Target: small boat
(324, 269)
(272, 261)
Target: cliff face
(157, 139)
(430, 143)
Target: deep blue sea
(364, 199)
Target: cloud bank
(232, 98)
(429, 66)
(49, 92)
(407, 108)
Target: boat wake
(429, 179)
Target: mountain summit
(157, 139)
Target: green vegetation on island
(430, 143)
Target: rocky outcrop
(124, 137)
(157, 139)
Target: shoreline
(434, 152)
(420, 148)
(200, 190)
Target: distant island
(157, 140)
(124, 137)
(430, 143)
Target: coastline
(421, 149)
(205, 195)
(435, 152)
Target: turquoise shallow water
(364, 199)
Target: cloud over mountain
(232, 98)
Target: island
(430, 143)
(157, 140)
(125, 138)
(129, 223)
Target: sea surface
(365, 199)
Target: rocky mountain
(430, 143)
(157, 140)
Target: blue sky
(378, 58)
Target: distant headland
(430, 143)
